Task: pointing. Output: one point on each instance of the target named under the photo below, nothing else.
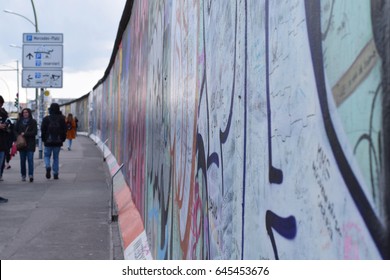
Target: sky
(89, 29)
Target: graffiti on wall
(249, 129)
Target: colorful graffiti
(251, 129)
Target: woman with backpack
(71, 130)
(27, 127)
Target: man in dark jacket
(53, 131)
(3, 139)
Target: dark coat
(45, 124)
(4, 133)
(30, 131)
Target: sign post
(42, 67)
(42, 60)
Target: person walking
(71, 130)
(53, 133)
(10, 138)
(3, 137)
(27, 127)
(77, 124)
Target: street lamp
(35, 23)
(15, 46)
(26, 18)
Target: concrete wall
(250, 129)
(79, 108)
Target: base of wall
(132, 231)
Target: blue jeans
(69, 143)
(47, 155)
(2, 158)
(29, 156)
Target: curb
(132, 232)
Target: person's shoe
(24, 178)
(1, 178)
(68, 149)
(31, 179)
(3, 200)
(8, 166)
(48, 170)
(55, 176)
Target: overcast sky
(89, 30)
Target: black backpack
(54, 131)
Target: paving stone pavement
(65, 219)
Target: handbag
(21, 142)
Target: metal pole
(39, 109)
(17, 80)
(35, 17)
(114, 214)
(104, 144)
(41, 118)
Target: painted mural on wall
(79, 109)
(355, 78)
(250, 129)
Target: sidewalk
(59, 219)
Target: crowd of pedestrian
(20, 136)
